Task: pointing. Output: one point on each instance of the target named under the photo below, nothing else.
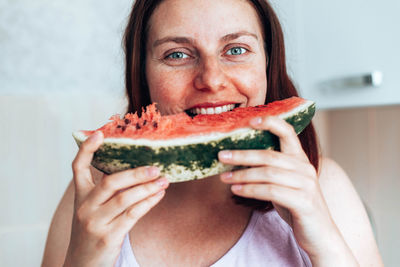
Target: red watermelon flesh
(152, 125)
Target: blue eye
(177, 55)
(235, 51)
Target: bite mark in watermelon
(186, 148)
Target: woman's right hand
(105, 212)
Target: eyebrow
(178, 40)
(187, 40)
(236, 35)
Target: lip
(212, 105)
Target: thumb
(81, 165)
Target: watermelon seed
(123, 128)
(144, 122)
(155, 124)
(119, 126)
(138, 126)
(127, 121)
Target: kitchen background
(61, 69)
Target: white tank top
(267, 241)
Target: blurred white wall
(61, 45)
(61, 70)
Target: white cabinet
(331, 40)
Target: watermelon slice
(184, 147)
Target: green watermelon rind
(190, 158)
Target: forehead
(203, 18)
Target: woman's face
(205, 55)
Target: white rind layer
(194, 139)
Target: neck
(196, 199)
(200, 194)
(193, 216)
(206, 191)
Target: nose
(210, 76)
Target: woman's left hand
(289, 181)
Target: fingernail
(162, 182)
(256, 121)
(225, 154)
(227, 176)
(237, 187)
(152, 171)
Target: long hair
(279, 84)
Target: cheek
(168, 89)
(261, 91)
(252, 83)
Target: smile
(212, 110)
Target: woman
(182, 54)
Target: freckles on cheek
(161, 93)
(260, 83)
(168, 91)
(252, 83)
(159, 84)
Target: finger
(81, 165)
(266, 174)
(123, 200)
(289, 142)
(125, 221)
(112, 184)
(286, 197)
(265, 157)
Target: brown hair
(279, 84)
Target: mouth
(210, 110)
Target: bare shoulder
(348, 213)
(60, 228)
(334, 181)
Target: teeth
(216, 110)
(210, 110)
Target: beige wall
(366, 143)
